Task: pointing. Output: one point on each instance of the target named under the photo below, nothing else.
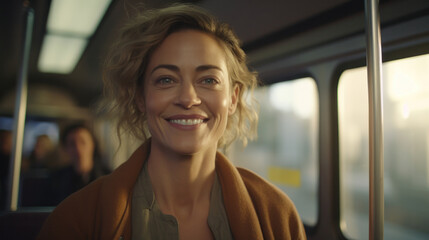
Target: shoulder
(74, 217)
(275, 209)
(261, 190)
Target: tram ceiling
(257, 23)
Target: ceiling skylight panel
(80, 17)
(60, 54)
(70, 25)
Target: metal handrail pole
(20, 111)
(376, 146)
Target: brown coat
(102, 210)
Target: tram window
(6, 123)
(406, 154)
(33, 128)
(286, 150)
(42, 135)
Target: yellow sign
(286, 176)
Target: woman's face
(187, 93)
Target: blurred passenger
(80, 146)
(43, 155)
(36, 169)
(5, 153)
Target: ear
(234, 99)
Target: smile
(186, 122)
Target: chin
(186, 148)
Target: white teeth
(187, 121)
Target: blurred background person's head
(85, 164)
(81, 148)
(42, 154)
(5, 142)
(5, 151)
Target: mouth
(187, 120)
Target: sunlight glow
(297, 96)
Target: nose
(187, 96)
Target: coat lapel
(115, 195)
(242, 216)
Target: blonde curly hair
(127, 62)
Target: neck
(181, 183)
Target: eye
(209, 81)
(164, 81)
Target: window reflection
(286, 150)
(406, 154)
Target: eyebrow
(167, 66)
(175, 68)
(207, 67)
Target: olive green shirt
(148, 222)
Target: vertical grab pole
(375, 87)
(20, 110)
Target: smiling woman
(180, 77)
(129, 61)
(197, 91)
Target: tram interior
(313, 131)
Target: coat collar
(116, 195)
(242, 216)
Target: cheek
(219, 103)
(156, 105)
(90, 149)
(153, 103)
(224, 103)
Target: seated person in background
(42, 156)
(81, 148)
(35, 181)
(5, 152)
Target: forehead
(189, 47)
